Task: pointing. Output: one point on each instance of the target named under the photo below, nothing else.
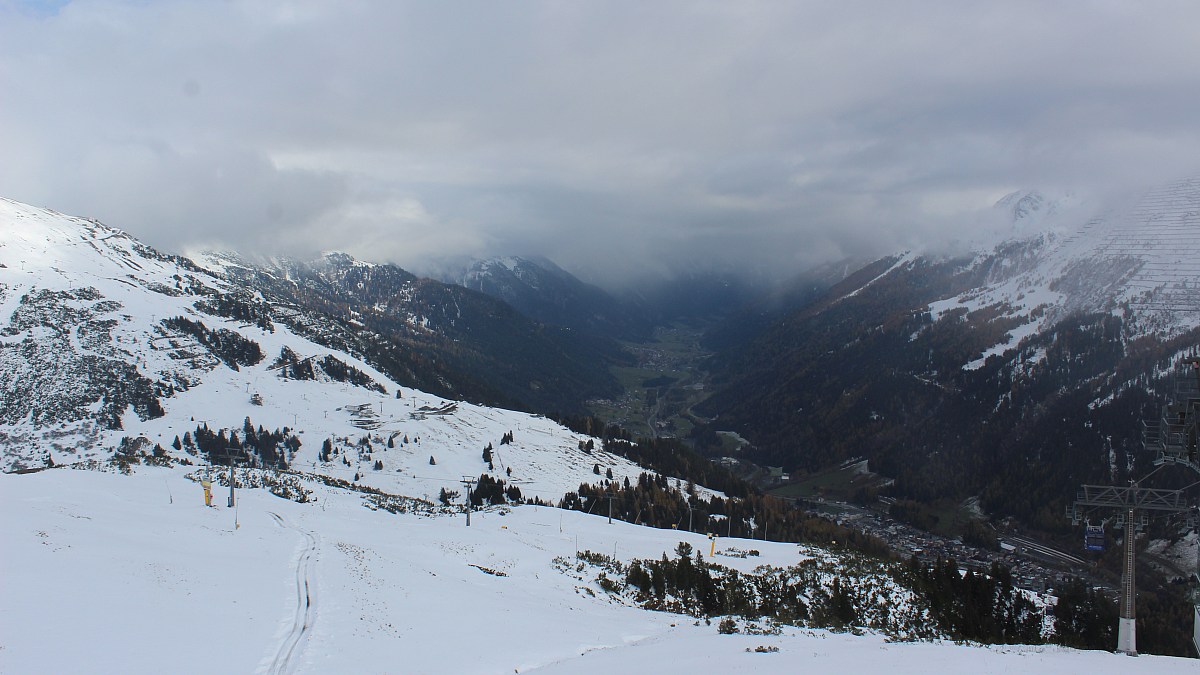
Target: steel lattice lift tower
(1174, 439)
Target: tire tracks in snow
(285, 660)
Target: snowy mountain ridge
(1140, 261)
(527, 270)
(103, 338)
(1026, 368)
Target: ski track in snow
(284, 661)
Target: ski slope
(133, 574)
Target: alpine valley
(359, 416)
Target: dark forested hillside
(545, 292)
(442, 338)
(866, 372)
(757, 316)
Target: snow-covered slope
(92, 351)
(132, 574)
(438, 337)
(1139, 260)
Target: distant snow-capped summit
(1140, 260)
(1027, 212)
(1025, 205)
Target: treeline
(591, 425)
(292, 367)
(983, 607)
(239, 308)
(255, 447)
(1084, 618)
(233, 349)
(669, 456)
(743, 512)
(490, 490)
(672, 457)
(653, 500)
(841, 593)
(908, 600)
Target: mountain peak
(1022, 204)
(342, 259)
(1028, 211)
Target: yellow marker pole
(712, 549)
(207, 485)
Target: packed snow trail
(292, 645)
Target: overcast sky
(612, 137)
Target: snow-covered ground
(133, 574)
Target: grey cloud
(616, 138)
